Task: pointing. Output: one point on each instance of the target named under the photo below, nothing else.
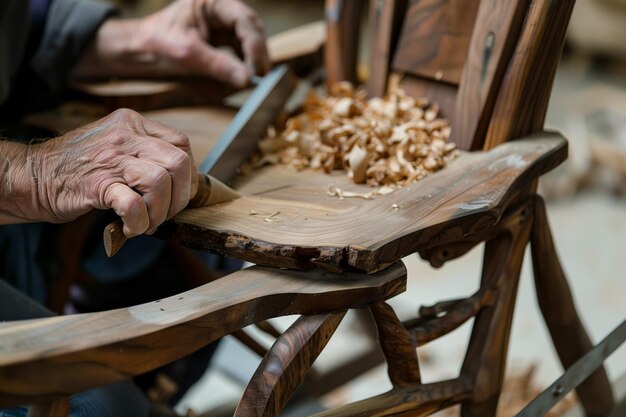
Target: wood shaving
(270, 219)
(390, 141)
(334, 191)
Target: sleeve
(69, 27)
(40, 81)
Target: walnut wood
(286, 364)
(343, 18)
(398, 346)
(493, 41)
(485, 360)
(56, 408)
(414, 401)
(522, 102)
(385, 22)
(313, 229)
(435, 39)
(559, 311)
(88, 350)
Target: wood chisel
(234, 147)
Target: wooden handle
(210, 191)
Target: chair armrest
(45, 358)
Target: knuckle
(181, 140)
(126, 114)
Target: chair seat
(286, 219)
(43, 358)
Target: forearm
(115, 51)
(18, 184)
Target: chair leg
(559, 312)
(57, 408)
(284, 367)
(485, 361)
(398, 345)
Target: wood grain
(485, 360)
(385, 23)
(415, 401)
(435, 39)
(494, 38)
(398, 345)
(521, 105)
(284, 367)
(343, 19)
(559, 312)
(43, 359)
(313, 229)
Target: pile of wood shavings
(383, 142)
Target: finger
(219, 64)
(177, 163)
(154, 184)
(130, 206)
(237, 16)
(182, 167)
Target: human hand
(182, 39)
(141, 169)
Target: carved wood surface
(435, 39)
(493, 41)
(87, 350)
(296, 225)
(522, 102)
(284, 367)
(385, 20)
(415, 401)
(398, 346)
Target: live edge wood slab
(286, 219)
(83, 351)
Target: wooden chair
(490, 64)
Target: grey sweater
(34, 64)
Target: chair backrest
(489, 64)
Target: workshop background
(587, 208)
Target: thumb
(220, 64)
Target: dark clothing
(39, 48)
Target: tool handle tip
(114, 237)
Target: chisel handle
(114, 237)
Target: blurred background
(587, 210)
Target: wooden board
(45, 358)
(435, 39)
(310, 228)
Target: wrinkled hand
(141, 169)
(182, 39)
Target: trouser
(116, 400)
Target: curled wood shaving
(390, 141)
(334, 191)
(270, 219)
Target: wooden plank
(385, 22)
(495, 36)
(46, 358)
(343, 19)
(435, 39)
(522, 102)
(308, 228)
